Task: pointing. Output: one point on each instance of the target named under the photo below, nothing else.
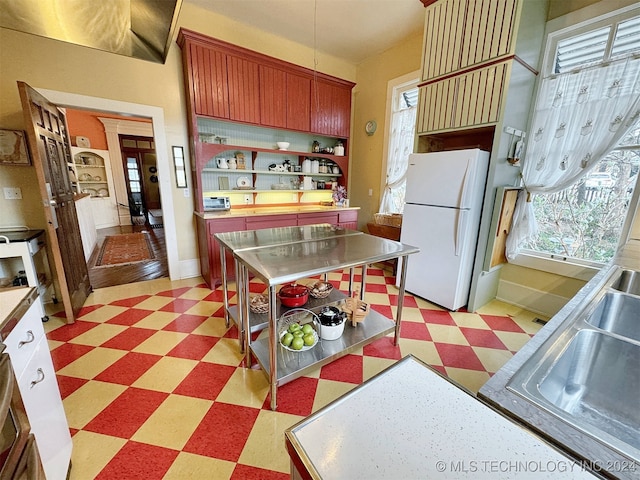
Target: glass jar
(322, 168)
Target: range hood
(136, 28)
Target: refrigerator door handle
(460, 229)
(465, 186)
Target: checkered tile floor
(153, 384)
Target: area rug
(125, 249)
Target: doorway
(141, 178)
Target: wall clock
(370, 127)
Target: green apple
(298, 333)
(287, 338)
(297, 343)
(294, 327)
(307, 328)
(309, 339)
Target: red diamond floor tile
(438, 317)
(415, 331)
(179, 305)
(459, 356)
(185, 323)
(86, 310)
(246, 472)
(68, 353)
(71, 331)
(139, 461)
(130, 302)
(346, 369)
(129, 338)
(126, 414)
(193, 347)
(174, 293)
(129, 317)
(482, 338)
(383, 348)
(223, 432)
(504, 324)
(206, 381)
(68, 385)
(295, 398)
(128, 369)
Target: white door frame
(156, 114)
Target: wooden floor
(118, 275)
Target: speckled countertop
(278, 210)
(609, 462)
(409, 422)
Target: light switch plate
(11, 193)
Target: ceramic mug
(222, 163)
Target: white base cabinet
(31, 360)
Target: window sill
(572, 268)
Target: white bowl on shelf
(283, 145)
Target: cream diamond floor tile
(196, 293)
(376, 298)
(374, 365)
(265, 447)
(157, 320)
(53, 323)
(213, 327)
(98, 335)
(329, 390)
(92, 363)
(206, 309)
(88, 401)
(91, 453)
(492, 359)
(154, 303)
(166, 374)
(514, 341)
(470, 320)
(470, 379)
(102, 314)
(172, 423)
(526, 323)
(160, 343)
(188, 465)
(425, 351)
(446, 334)
(409, 314)
(246, 387)
(226, 351)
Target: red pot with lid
(293, 295)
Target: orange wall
(86, 124)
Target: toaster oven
(216, 204)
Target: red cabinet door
(209, 81)
(330, 109)
(273, 97)
(348, 219)
(298, 102)
(213, 267)
(244, 90)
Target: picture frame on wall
(13, 148)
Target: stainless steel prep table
(280, 264)
(251, 239)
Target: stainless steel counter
(602, 458)
(279, 264)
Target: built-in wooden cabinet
(468, 51)
(460, 34)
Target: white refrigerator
(443, 202)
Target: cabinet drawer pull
(30, 338)
(39, 379)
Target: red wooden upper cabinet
(273, 97)
(330, 108)
(298, 102)
(244, 89)
(208, 81)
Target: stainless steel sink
(628, 282)
(618, 313)
(587, 373)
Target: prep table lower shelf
(292, 365)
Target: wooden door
(49, 144)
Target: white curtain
(580, 116)
(400, 146)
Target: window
(404, 101)
(583, 222)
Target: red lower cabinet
(348, 219)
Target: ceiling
(352, 30)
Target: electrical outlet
(186, 193)
(371, 192)
(11, 193)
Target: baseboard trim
(531, 299)
(189, 269)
